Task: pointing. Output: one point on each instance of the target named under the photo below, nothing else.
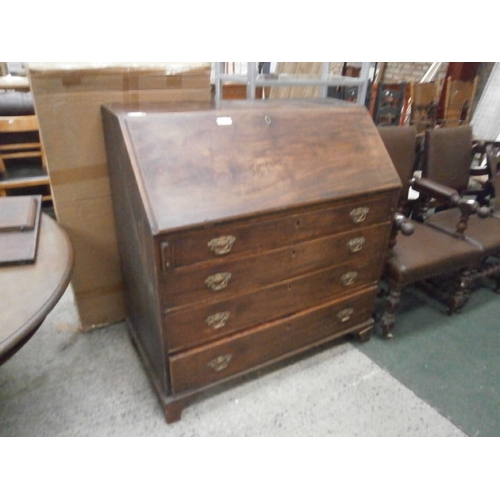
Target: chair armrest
(467, 206)
(435, 190)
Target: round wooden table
(29, 292)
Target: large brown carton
(68, 99)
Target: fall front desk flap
(239, 160)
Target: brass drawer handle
(356, 244)
(217, 320)
(345, 314)
(222, 245)
(359, 214)
(349, 278)
(220, 363)
(218, 281)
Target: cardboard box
(68, 99)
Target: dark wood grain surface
(29, 292)
(263, 159)
(248, 232)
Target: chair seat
(483, 232)
(428, 253)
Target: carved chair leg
(388, 319)
(496, 275)
(490, 269)
(461, 291)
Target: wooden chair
(400, 143)
(481, 228)
(418, 252)
(22, 158)
(424, 104)
(447, 159)
(389, 104)
(459, 96)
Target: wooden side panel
(137, 253)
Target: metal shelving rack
(253, 79)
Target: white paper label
(224, 120)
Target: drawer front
(202, 366)
(225, 278)
(266, 234)
(204, 322)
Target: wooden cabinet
(248, 232)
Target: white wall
(486, 119)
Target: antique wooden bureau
(248, 232)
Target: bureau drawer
(227, 277)
(218, 360)
(203, 322)
(221, 240)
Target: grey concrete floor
(67, 383)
